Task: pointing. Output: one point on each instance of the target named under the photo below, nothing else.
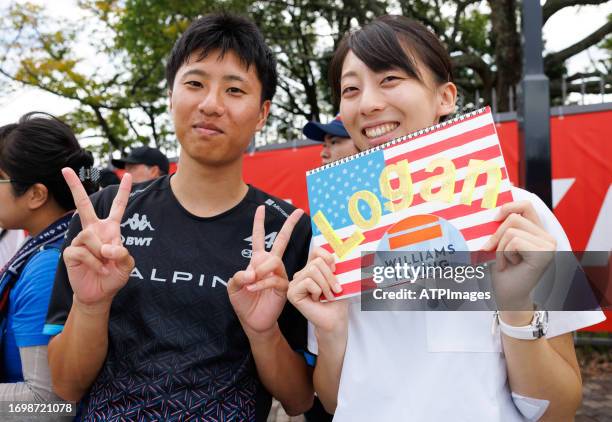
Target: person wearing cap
(144, 164)
(337, 143)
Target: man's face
(216, 108)
(142, 172)
(335, 148)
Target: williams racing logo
(138, 223)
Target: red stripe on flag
(480, 230)
(441, 146)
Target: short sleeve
(30, 298)
(560, 322)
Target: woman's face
(379, 106)
(12, 208)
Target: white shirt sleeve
(313, 346)
(9, 245)
(560, 322)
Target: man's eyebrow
(199, 72)
(196, 72)
(232, 78)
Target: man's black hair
(226, 32)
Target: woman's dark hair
(35, 150)
(387, 43)
(226, 32)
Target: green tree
(112, 62)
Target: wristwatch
(535, 330)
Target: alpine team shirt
(176, 349)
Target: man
(337, 143)
(144, 164)
(186, 320)
(109, 177)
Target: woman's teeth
(380, 130)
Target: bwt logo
(140, 223)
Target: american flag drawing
(469, 137)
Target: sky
(582, 21)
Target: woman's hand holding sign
(524, 252)
(98, 264)
(314, 283)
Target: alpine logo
(137, 223)
(269, 241)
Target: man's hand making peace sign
(258, 294)
(98, 264)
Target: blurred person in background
(337, 143)
(144, 164)
(34, 198)
(108, 178)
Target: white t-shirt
(435, 366)
(9, 244)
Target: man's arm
(78, 352)
(283, 371)
(97, 267)
(258, 295)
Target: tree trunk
(508, 55)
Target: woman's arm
(309, 286)
(544, 369)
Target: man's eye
(195, 84)
(234, 90)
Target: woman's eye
(390, 78)
(349, 90)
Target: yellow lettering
(404, 190)
(372, 201)
(446, 181)
(494, 177)
(340, 248)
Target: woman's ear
(447, 96)
(38, 195)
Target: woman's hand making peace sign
(98, 264)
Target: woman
(393, 77)
(35, 198)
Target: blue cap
(317, 131)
